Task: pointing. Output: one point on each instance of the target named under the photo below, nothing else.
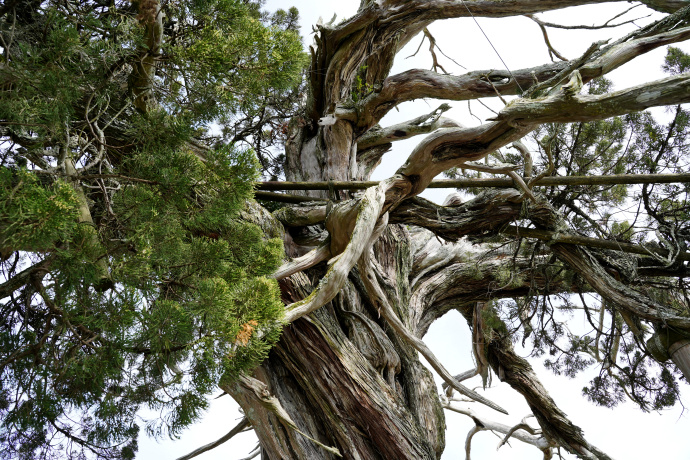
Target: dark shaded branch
(518, 373)
(566, 238)
(25, 277)
(487, 212)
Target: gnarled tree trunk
(347, 370)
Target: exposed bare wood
(486, 424)
(310, 259)
(421, 125)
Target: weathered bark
(680, 354)
(346, 370)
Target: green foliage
(622, 231)
(233, 56)
(188, 278)
(361, 88)
(34, 215)
(676, 61)
(130, 280)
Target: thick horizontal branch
(562, 108)
(447, 148)
(555, 237)
(417, 84)
(486, 213)
(612, 179)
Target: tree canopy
(138, 273)
(130, 278)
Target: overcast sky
(623, 433)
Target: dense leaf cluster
(129, 280)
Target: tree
(134, 279)
(130, 278)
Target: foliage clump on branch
(129, 279)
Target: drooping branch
(552, 51)
(22, 278)
(240, 427)
(518, 373)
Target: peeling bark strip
(263, 396)
(346, 370)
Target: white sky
(623, 433)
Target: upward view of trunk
(368, 273)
